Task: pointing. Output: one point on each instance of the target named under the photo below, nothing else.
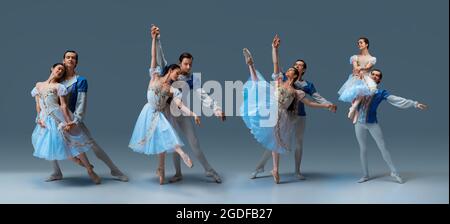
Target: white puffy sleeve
(401, 102)
(61, 90)
(34, 92)
(300, 94)
(276, 76)
(373, 60)
(155, 71)
(353, 59)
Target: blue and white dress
(354, 86)
(51, 142)
(153, 133)
(265, 112)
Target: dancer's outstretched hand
(333, 108)
(330, 107)
(422, 106)
(197, 120)
(220, 114)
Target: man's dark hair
(378, 70)
(71, 51)
(185, 55)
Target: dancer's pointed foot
(248, 56)
(161, 173)
(355, 117)
(94, 177)
(187, 160)
(351, 112)
(276, 177)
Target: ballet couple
(61, 100)
(164, 116)
(361, 90)
(60, 132)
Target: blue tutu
(353, 88)
(273, 136)
(51, 142)
(153, 133)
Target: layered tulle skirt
(355, 86)
(272, 127)
(153, 133)
(52, 143)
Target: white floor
(28, 187)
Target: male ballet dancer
(367, 123)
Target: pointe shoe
(161, 173)
(94, 177)
(276, 177)
(248, 56)
(355, 117)
(351, 113)
(187, 160)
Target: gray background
(409, 39)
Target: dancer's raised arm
(275, 56)
(154, 34)
(277, 75)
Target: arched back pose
(279, 138)
(53, 138)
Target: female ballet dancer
(282, 99)
(53, 138)
(359, 84)
(153, 133)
